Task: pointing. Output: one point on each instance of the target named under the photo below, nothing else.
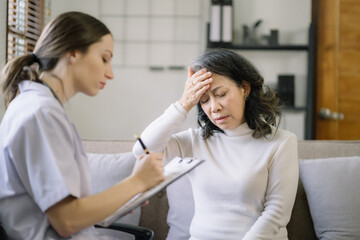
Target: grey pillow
(181, 209)
(332, 187)
(108, 169)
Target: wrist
(137, 183)
(187, 107)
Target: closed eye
(204, 100)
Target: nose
(215, 105)
(109, 73)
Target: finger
(201, 84)
(157, 155)
(190, 72)
(201, 91)
(144, 203)
(202, 77)
(198, 73)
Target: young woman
(44, 172)
(247, 186)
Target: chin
(92, 94)
(228, 127)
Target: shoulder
(35, 113)
(34, 98)
(36, 106)
(282, 135)
(285, 142)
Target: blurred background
(156, 40)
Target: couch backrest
(300, 226)
(107, 146)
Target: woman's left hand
(195, 86)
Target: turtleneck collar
(241, 130)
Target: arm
(158, 135)
(72, 214)
(281, 192)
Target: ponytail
(15, 71)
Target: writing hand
(149, 170)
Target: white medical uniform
(42, 161)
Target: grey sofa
(300, 226)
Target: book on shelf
(215, 21)
(221, 21)
(175, 169)
(227, 21)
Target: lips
(102, 85)
(221, 119)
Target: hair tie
(34, 58)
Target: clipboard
(175, 169)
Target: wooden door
(338, 69)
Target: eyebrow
(214, 90)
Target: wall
(138, 95)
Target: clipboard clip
(189, 161)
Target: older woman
(247, 186)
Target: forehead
(220, 81)
(106, 43)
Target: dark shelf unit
(260, 47)
(310, 48)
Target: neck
(58, 85)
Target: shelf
(259, 47)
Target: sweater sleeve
(281, 192)
(159, 135)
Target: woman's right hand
(195, 86)
(148, 170)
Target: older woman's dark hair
(68, 32)
(261, 108)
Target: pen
(137, 136)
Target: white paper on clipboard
(176, 168)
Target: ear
(71, 56)
(247, 88)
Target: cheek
(206, 109)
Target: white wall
(137, 95)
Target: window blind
(25, 22)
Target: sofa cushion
(107, 170)
(333, 193)
(181, 209)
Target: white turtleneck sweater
(246, 188)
